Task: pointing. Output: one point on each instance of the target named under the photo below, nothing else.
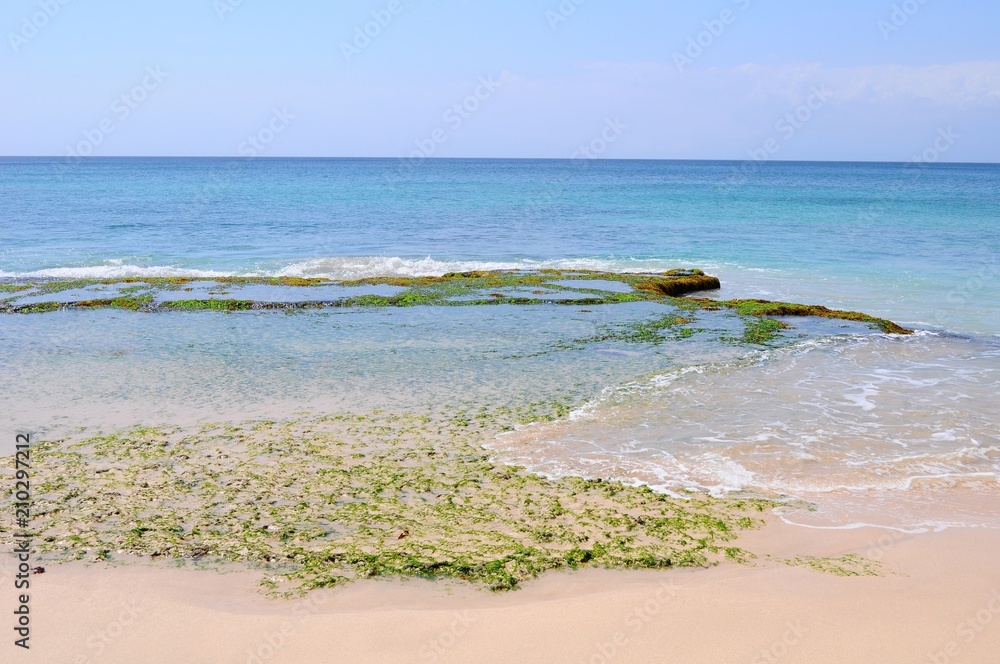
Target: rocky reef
(479, 288)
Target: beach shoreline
(343, 517)
(937, 599)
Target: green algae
(38, 308)
(48, 287)
(850, 564)
(126, 302)
(653, 331)
(318, 502)
(676, 284)
(132, 290)
(768, 308)
(217, 305)
(419, 290)
(761, 331)
(476, 288)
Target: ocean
(864, 427)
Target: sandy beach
(313, 538)
(938, 600)
(470, 333)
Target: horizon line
(442, 159)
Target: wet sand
(938, 600)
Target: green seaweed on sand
(850, 564)
(318, 502)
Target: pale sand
(934, 584)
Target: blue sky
(856, 79)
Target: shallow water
(916, 244)
(870, 428)
(873, 421)
(107, 369)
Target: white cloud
(965, 84)
(962, 84)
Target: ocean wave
(914, 529)
(351, 267)
(864, 415)
(113, 270)
(381, 266)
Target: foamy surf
(851, 421)
(376, 266)
(112, 270)
(350, 267)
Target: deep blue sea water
(899, 431)
(920, 244)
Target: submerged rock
(675, 285)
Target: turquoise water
(897, 431)
(919, 244)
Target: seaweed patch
(477, 288)
(321, 501)
(768, 308)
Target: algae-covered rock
(769, 308)
(679, 284)
(472, 288)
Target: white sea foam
(369, 266)
(857, 418)
(113, 270)
(912, 530)
(351, 267)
